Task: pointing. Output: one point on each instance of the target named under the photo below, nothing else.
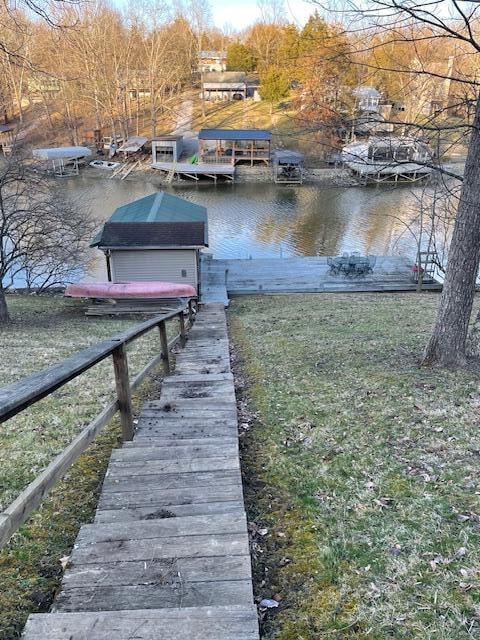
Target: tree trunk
(4, 316)
(446, 346)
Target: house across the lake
(212, 61)
(229, 85)
(155, 238)
(232, 146)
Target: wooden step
(230, 622)
(183, 465)
(166, 498)
(173, 453)
(142, 442)
(181, 431)
(208, 378)
(170, 480)
(155, 596)
(123, 514)
(128, 550)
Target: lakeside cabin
(232, 146)
(157, 238)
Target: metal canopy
(285, 156)
(235, 134)
(62, 153)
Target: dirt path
(183, 126)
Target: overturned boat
(389, 159)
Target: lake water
(268, 220)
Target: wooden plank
(162, 528)
(164, 498)
(129, 170)
(171, 481)
(173, 454)
(192, 404)
(198, 378)
(184, 465)
(156, 596)
(148, 513)
(216, 545)
(189, 432)
(187, 392)
(159, 572)
(231, 622)
(181, 423)
(157, 442)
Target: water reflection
(267, 220)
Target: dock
(195, 171)
(221, 279)
(167, 556)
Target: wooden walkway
(167, 556)
(223, 278)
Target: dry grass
(363, 467)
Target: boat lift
(63, 161)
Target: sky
(240, 13)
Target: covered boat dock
(63, 161)
(287, 167)
(232, 146)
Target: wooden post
(183, 331)
(120, 366)
(162, 327)
(190, 312)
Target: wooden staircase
(167, 556)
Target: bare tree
(442, 22)
(43, 236)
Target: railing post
(190, 311)
(162, 327)
(122, 382)
(183, 331)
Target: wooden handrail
(27, 391)
(18, 396)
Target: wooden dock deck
(194, 171)
(223, 278)
(167, 556)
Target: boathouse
(155, 238)
(232, 146)
(167, 148)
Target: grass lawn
(45, 330)
(363, 468)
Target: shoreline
(326, 177)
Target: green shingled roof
(159, 207)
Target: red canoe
(117, 290)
